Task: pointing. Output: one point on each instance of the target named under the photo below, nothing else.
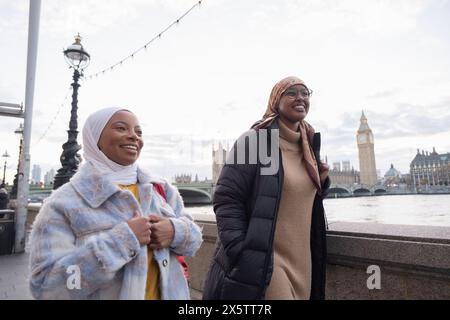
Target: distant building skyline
(393, 177)
(430, 168)
(433, 170)
(346, 174)
(49, 177)
(183, 178)
(36, 174)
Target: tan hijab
(306, 129)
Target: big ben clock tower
(367, 166)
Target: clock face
(362, 138)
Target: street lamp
(19, 132)
(78, 59)
(6, 156)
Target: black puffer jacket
(246, 207)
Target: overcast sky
(209, 78)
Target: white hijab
(92, 130)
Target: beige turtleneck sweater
(291, 278)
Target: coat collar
(95, 188)
(311, 137)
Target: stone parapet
(414, 261)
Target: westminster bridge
(196, 192)
(192, 193)
(356, 190)
(202, 192)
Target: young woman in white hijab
(108, 234)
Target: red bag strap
(159, 188)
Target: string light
(53, 119)
(144, 47)
(131, 56)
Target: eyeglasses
(294, 92)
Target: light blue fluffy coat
(83, 224)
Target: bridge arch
(338, 190)
(361, 191)
(194, 195)
(380, 191)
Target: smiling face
(294, 105)
(121, 139)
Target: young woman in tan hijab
(271, 228)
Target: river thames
(427, 210)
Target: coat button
(164, 263)
(132, 253)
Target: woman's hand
(163, 232)
(141, 228)
(323, 171)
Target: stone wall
(414, 261)
(33, 210)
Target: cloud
(8, 125)
(93, 16)
(385, 94)
(14, 16)
(177, 149)
(56, 137)
(404, 120)
(170, 169)
(171, 154)
(377, 17)
(413, 120)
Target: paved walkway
(14, 283)
(14, 277)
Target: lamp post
(6, 156)
(78, 59)
(13, 193)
